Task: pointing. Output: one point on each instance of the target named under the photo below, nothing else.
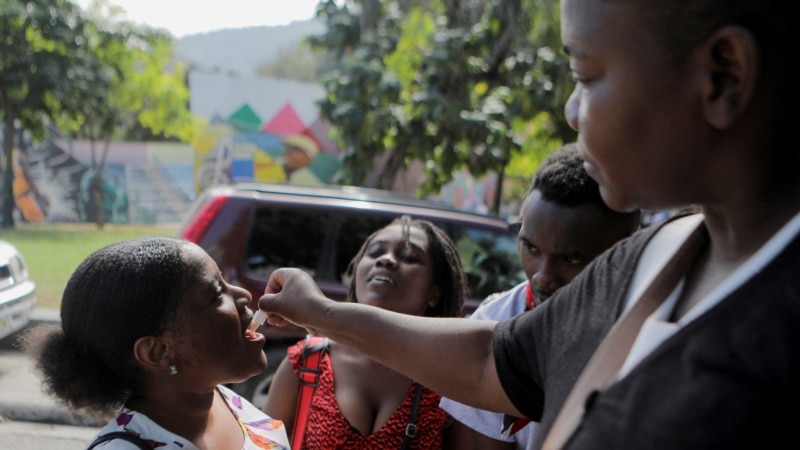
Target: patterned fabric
(261, 432)
(328, 429)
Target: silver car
(17, 291)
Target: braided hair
(448, 272)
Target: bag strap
(411, 428)
(314, 349)
(605, 363)
(125, 436)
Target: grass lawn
(54, 251)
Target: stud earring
(173, 370)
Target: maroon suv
(252, 229)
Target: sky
(183, 17)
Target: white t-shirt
(497, 307)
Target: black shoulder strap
(411, 428)
(314, 344)
(125, 436)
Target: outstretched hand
(293, 297)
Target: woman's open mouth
(253, 336)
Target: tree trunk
(7, 200)
(370, 13)
(97, 200)
(390, 169)
(97, 184)
(498, 191)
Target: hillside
(240, 51)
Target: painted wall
(52, 181)
(250, 122)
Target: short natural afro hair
(117, 295)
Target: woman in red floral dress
(410, 266)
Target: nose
(386, 259)
(572, 107)
(243, 296)
(547, 278)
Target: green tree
(44, 62)
(145, 89)
(454, 83)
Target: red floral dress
(328, 429)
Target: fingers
(266, 303)
(274, 287)
(274, 319)
(276, 281)
(289, 296)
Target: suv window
(352, 234)
(489, 258)
(294, 237)
(285, 238)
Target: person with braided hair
(409, 267)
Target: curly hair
(117, 295)
(448, 272)
(563, 180)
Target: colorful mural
(242, 148)
(46, 184)
(141, 182)
(269, 130)
(263, 130)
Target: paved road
(29, 419)
(43, 436)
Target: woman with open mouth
(410, 267)
(150, 334)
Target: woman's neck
(735, 235)
(187, 414)
(737, 230)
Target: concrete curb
(36, 436)
(46, 315)
(46, 413)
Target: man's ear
(730, 58)
(153, 352)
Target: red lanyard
(528, 297)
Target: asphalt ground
(29, 419)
